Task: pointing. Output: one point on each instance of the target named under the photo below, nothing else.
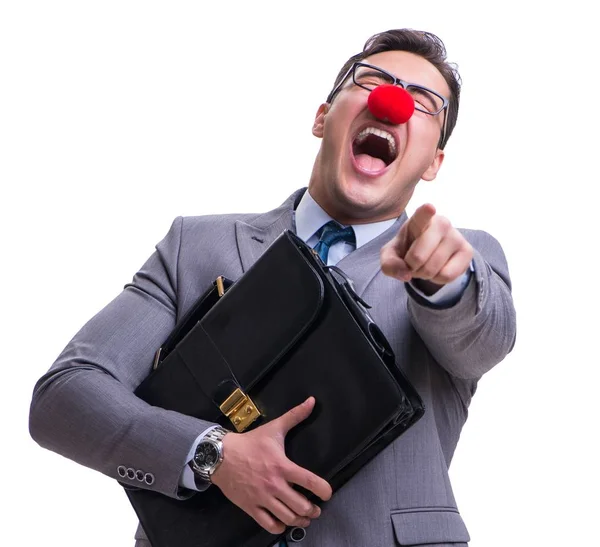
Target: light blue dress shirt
(309, 218)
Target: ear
(431, 172)
(317, 129)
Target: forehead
(411, 68)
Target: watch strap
(202, 477)
(216, 434)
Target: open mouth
(374, 149)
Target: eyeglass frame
(395, 81)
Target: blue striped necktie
(330, 234)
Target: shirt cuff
(188, 478)
(450, 293)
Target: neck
(340, 208)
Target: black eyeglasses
(369, 77)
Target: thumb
(295, 416)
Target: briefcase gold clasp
(240, 409)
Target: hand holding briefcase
(249, 351)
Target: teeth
(380, 133)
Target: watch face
(206, 455)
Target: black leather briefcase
(289, 328)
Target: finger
(298, 503)
(295, 416)
(437, 260)
(283, 513)
(418, 223)
(401, 241)
(423, 248)
(267, 521)
(392, 265)
(309, 481)
(455, 267)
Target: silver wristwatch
(209, 455)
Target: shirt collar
(310, 217)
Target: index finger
(309, 481)
(420, 220)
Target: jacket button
(130, 473)
(149, 479)
(139, 475)
(121, 471)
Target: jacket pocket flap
(424, 526)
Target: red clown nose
(391, 103)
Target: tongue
(369, 163)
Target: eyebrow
(439, 95)
(371, 72)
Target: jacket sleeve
(478, 331)
(84, 407)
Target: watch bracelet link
(215, 435)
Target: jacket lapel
(254, 239)
(364, 264)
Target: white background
(115, 117)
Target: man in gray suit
(440, 295)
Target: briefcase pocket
(429, 526)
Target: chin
(359, 200)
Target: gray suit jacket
(84, 407)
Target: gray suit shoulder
(218, 222)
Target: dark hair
(425, 44)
